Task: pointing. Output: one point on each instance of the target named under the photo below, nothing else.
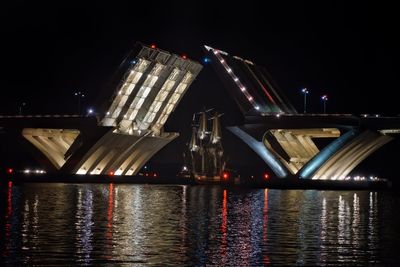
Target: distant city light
(257, 107)
(184, 56)
(90, 111)
(266, 176)
(10, 170)
(153, 46)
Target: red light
(266, 176)
(153, 46)
(146, 174)
(10, 170)
(225, 175)
(184, 56)
(111, 173)
(155, 175)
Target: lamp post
(305, 92)
(23, 104)
(79, 95)
(324, 98)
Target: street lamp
(305, 92)
(324, 98)
(23, 104)
(79, 95)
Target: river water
(162, 225)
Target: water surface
(154, 225)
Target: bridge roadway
(257, 125)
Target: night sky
(347, 51)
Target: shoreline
(289, 183)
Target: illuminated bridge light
(257, 107)
(133, 112)
(234, 77)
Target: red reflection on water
(110, 210)
(224, 226)
(9, 200)
(6, 252)
(266, 259)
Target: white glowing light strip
(160, 98)
(173, 100)
(143, 92)
(215, 50)
(236, 80)
(124, 91)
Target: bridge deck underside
(53, 143)
(297, 145)
(121, 154)
(292, 151)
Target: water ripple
(142, 225)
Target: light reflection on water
(92, 224)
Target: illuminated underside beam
(53, 143)
(258, 147)
(315, 163)
(121, 154)
(298, 145)
(350, 155)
